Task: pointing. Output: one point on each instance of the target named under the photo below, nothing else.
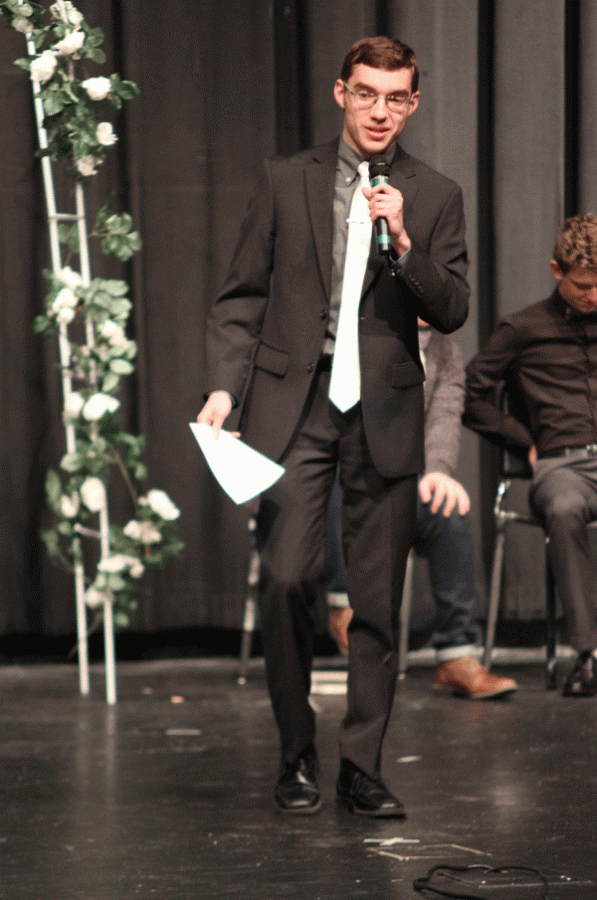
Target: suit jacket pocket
(272, 360)
(406, 374)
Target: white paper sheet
(240, 470)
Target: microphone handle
(383, 239)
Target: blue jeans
(447, 544)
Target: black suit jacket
(267, 327)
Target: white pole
(109, 654)
(83, 653)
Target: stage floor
(169, 793)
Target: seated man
(443, 533)
(547, 356)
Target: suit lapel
(403, 177)
(320, 176)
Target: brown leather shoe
(466, 677)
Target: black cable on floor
(425, 883)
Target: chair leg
(246, 639)
(550, 624)
(405, 608)
(250, 613)
(494, 594)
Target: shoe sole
(299, 811)
(569, 693)
(370, 814)
(459, 692)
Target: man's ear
(557, 272)
(414, 102)
(339, 93)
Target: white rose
(113, 333)
(94, 598)
(75, 17)
(66, 12)
(121, 341)
(144, 532)
(162, 505)
(93, 493)
(121, 561)
(70, 44)
(97, 88)
(87, 165)
(71, 279)
(114, 564)
(137, 567)
(133, 530)
(73, 405)
(149, 534)
(69, 506)
(98, 405)
(65, 316)
(108, 328)
(22, 25)
(105, 135)
(43, 66)
(65, 299)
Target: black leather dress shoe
(297, 791)
(366, 796)
(582, 681)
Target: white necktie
(345, 382)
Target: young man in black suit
(271, 340)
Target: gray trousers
(564, 496)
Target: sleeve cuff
(397, 263)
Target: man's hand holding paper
(217, 408)
(241, 471)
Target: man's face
(371, 131)
(578, 287)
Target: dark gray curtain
(507, 108)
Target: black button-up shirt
(547, 356)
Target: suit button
(323, 314)
(310, 368)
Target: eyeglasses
(363, 98)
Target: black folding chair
(512, 470)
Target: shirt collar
(348, 160)
(571, 314)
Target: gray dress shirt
(347, 181)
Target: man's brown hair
(576, 243)
(381, 53)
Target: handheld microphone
(379, 173)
